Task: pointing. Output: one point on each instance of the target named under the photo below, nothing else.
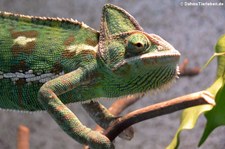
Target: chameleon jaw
(151, 59)
(157, 69)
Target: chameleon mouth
(150, 59)
(172, 53)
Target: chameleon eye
(137, 43)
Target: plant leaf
(220, 48)
(215, 117)
(188, 120)
(190, 116)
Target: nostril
(160, 48)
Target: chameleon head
(134, 56)
(140, 51)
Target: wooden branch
(116, 109)
(121, 104)
(184, 71)
(23, 137)
(183, 102)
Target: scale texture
(49, 62)
(34, 50)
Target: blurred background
(193, 30)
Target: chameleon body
(46, 63)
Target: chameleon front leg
(99, 113)
(66, 119)
(104, 118)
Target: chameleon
(46, 63)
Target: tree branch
(23, 136)
(183, 102)
(184, 71)
(116, 109)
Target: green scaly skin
(46, 63)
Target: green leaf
(215, 117)
(190, 116)
(188, 120)
(220, 48)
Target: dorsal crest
(64, 23)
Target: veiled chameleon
(46, 63)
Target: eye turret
(137, 43)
